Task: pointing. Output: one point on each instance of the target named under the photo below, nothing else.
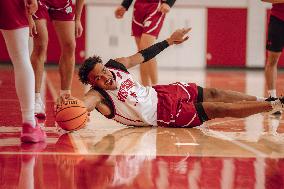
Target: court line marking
(76, 140)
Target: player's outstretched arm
(178, 37)
(92, 99)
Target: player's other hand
(31, 6)
(119, 12)
(32, 26)
(179, 36)
(61, 100)
(78, 28)
(164, 8)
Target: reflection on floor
(222, 153)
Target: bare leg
(237, 109)
(218, 95)
(271, 69)
(38, 56)
(148, 70)
(66, 35)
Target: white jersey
(133, 103)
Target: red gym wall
(225, 46)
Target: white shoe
(40, 110)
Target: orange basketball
(71, 115)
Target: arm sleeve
(170, 2)
(126, 4)
(153, 50)
(116, 65)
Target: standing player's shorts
(146, 18)
(61, 10)
(179, 105)
(12, 14)
(275, 41)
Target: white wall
(110, 37)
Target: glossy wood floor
(222, 153)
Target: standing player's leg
(38, 59)
(65, 31)
(18, 49)
(17, 45)
(274, 46)
(271, 72)
(148, 70)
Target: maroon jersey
(176, 105)
(12, 14)
(278, 10)
(146, 18)
(61, 10)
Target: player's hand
(164, 8)
(179, 36)
(119, 12)
(62, 100)
(32, 26)
(78, 28)
(31, 6)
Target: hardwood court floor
(222, 153)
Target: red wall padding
(226, 37)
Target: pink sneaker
(31, 134)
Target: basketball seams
(80, 125)
(73, 117)
(70, 107)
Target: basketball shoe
(32, 134)
(40, 110)
(275, 112)
(277, 105)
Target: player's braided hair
(86, 67)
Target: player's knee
(40, 49)
(214, 93)
(273, 62)
(69, 47)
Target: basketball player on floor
(67, 24)
(15, 19)
(274, 45)
(147, 21)
(118, 96)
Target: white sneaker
(40, 110)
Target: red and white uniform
(176, 105)
(146, 18)
(133, 103)
(12, 14)
(61, 10)
(278, 10)
(164, 105)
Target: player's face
(101, 77)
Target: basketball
(71, 115)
